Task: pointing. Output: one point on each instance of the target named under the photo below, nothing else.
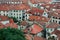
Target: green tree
(14, 18)
(11, 34)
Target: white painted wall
(17, 13)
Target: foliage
(11, 34)
(15, 19)
(51, 38)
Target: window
(50, 20)
(7, 14)
(53, 17)
(22, 10)
(53, 20)
(4, 14)
(59, 22)
(17, 17)
(59, 18)
(44, 13)
(51, 29)
(56, 17)
(26, 15)
(14, 13)
(23, 16)
(20, 17)
(14, 10)
(56, 21)
(11, 13)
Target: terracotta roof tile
(36, 10)
(11, 25)
(53, 25)
(11, 21)
(28, 36)
(39, 18)
(8, 7)
(36, 29)
(1, 26)
(24, 23)
(3, 18)
(38, 1)
(54, 14)
(39, 38)
(57, 32)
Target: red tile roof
(36, 10)
(49, 6)
(36, 29)
(24, 23)
(57, 32)
(57, 10)
(28, 36)
(53, 25)
(54, 14)
(3, 18)
(39, 18)
(11, 25)
(11, 21)
(24, 1)
(1, 26)
(39, 38)
(26, 30)
(14, 7)
(38, 1)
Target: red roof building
(6, 22)
(38, 38)
(52, 25)
(28, 36)
(40, 1)
(36, 29)
(57, 32)
(36, 11)
(7, 7)
(3, 18)
(39, 18)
